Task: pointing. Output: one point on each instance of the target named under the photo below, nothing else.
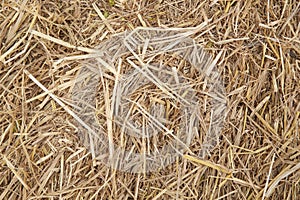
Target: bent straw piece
(283, 174)
(63, 43)
(208, 164)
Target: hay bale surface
(43, 43)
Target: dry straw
(151, 81)
(45, 45)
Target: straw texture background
(44, 42)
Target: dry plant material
(41, 156)
(155, 85)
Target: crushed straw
(256, 46)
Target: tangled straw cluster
(143, 99)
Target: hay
(47, 43)
(153, 83)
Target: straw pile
(154, 82)
(44, 46)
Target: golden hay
(45, 41)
